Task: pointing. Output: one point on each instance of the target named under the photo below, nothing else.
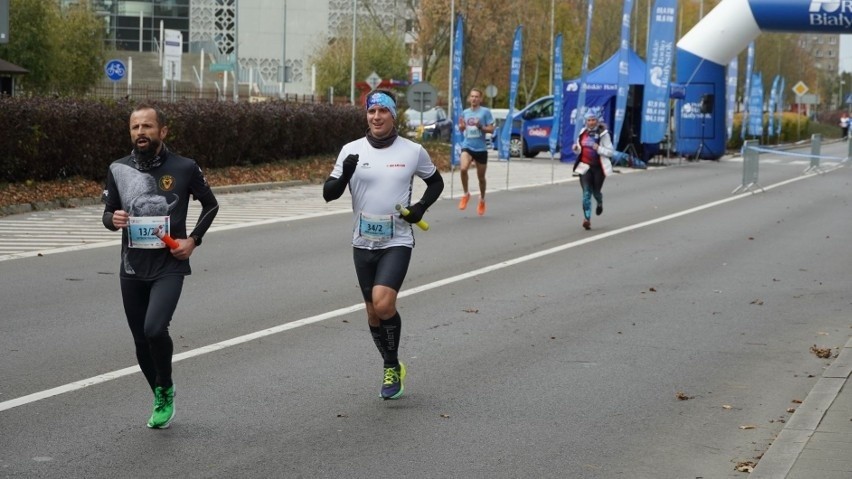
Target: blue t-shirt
(474, 138)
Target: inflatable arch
(704, 53)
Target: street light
(352, 68)
(840, 95)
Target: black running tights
(149, 306)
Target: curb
(781, 456)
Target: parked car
(499, 115)
(530, 128)
(436, 124)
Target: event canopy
(601, 91)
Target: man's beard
(149, 151)
(148, 157)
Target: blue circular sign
(115, 70)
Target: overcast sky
(846, 53)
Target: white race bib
(142, 231)
(375, 227)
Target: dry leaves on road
(821, 352)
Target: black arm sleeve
(209, 208)
(107, 219)
(333, 188)
(111, 200)
(434, 187)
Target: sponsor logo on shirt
(167, 182)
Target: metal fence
(184, 92)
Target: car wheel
(515, 146)
(528, 153)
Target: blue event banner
(457, 110)
(514, 78)
(731, 95)
(553, 141)
(747, 90)
(755, 106)
(623, 71)
(658, 72)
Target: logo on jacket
(167, 182)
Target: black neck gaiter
(382, 142)
(149, 159)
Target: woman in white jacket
(594, 150)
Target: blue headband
(383, 100)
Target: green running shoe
(164, 408)
(392, 386)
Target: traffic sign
(374, 80)
(115, 70)
(800, 88)
(172, 53)
(421, 96)
(491, 91)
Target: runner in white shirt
(379, 170)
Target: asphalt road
(668, 342)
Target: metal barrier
(848, 148)
(751, 157)
(816, 147)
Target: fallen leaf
(791, 409)
(757, 302)
(445, 416)
(652, 289)
(681, 396)
(748, 426)
(796, 401)
(341, 415)
(727, 406)
(821, 352)
(745, 466)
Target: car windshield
(429, 116)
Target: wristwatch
(197, 239)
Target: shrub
(50, 138)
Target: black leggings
(592, 182)
(386, 267)
(149, 306)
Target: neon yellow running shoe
(392, 386)
(164, 407)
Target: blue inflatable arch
(704, 53)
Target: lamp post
(352, 68)
(840, 94)
(552, 11)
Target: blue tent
(601, 91)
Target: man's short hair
(161, 117)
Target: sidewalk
(817, 440)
